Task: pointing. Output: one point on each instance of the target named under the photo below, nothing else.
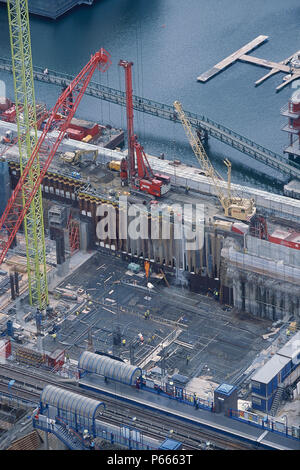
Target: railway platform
(205, 419)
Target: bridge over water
(164, 111)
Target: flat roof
(225, 389)
(267, 372)
(291, 347)
(170, 444)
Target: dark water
(171, 42)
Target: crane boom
(199, 150)
(14, 213)
(26, 118)
(236, 207)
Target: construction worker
(216, 294)
(54, 336)
(147, 314)
(92, 445)
(195, 399)
(123, 342)
(141, 337)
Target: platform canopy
(109, 368)
(71, 403)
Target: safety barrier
(73, 439)
(177, 393)
(266, 423)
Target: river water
(171, 42)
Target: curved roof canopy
(71, 402)
(108, 367)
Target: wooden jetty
(232, 58)
(242, 55)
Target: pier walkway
(164, 111)
(242, 55)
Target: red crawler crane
(142, 177)
(14, 213)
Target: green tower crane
(18, 18)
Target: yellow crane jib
(235, 207)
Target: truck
(114, 165)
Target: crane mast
(18, 18)
(129, 107)
(136, 169)
(236, 207)
(15, 211)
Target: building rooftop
(291, 347)
(225, 389)
(270, 369)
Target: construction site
(183, 286)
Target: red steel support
(143, 166)
(129, 111)
(14, 213)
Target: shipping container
(10, 114)
(56, 359)
(75, 134)
(88, 127)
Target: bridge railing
(164, 111)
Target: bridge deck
(164, 111)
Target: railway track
(30, 384)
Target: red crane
(66, 106)
(130, 167)
(142, 177)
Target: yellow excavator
(74, 158)
(235, 207)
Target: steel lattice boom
(27, 138)
(65, 108)
(235, 207)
